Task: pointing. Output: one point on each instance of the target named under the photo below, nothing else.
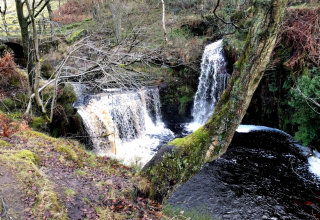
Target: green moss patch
(76, 35)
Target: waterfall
(124, 124)
(212, 82)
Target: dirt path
(86, 186)
(11, 205)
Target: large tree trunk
(189, 154)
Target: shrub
(304, 99)
(9, 127)
(46, 69)
(8, 73)
(72, 11)
(301, 30)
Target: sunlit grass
(12, 20)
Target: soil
(10, 195)
(82, 188)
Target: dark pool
(261, 176)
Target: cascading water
(212, 82)
(124, 124)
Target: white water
(124, 124)
(313, 156)
(212, 82)
(250, 128)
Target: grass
(177, 213)
(69, 192)
(12, 20)
(25, 157)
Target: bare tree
(52, 31)
(116, 9)
(164, 21)
(31, 48)
(3, 12)
(36, 55)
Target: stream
(263, 175)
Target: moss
(92, 160)
(68, 151)
(185, 160)
(35, 184)
(183, 32)
(46, 69)
(67, 95)
(4, 144)
(76, 35)
(38, 123)
(27, 155)
(35, 135)
(69, 192)
(7, 104)
(177, 142)
(81, 172)
(172, 212)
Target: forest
(159, 109)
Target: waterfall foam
(124, 124)
(212, 82)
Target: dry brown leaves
(301, 32)
(9, 127)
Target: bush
(8, 73)
(46, 69)
(72, 11)
(301, 30)
(176, 6)
(9, 126)
(304, 99)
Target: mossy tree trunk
(209, 142)
(23, 22)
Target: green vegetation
(76, 35)
(304, 100)
(69, 192)
(177, 213)
(42, 164)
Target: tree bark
(37, 64)
(52, 31)
(23, 23)
(187, 155)
(164, 21)
(3, 16)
